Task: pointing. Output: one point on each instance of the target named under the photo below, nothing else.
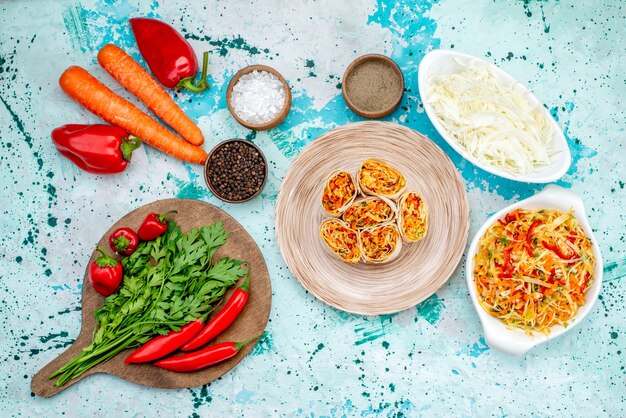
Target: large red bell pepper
(170, 57)
(97, 149)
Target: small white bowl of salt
(258, 97)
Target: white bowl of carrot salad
(534, 270)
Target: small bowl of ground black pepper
(373, 86)
(235, 171)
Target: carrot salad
(379, 244)
(533, 268)
(380, 178)
(338, 192)
(368, 213)
(342, 240)
(414, 216)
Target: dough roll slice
(378, 178)
(380, 244)
(368, 212)
(341, 240)
(340, 190)
(412, 217)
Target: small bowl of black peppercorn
(235, 171)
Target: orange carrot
(85, 89)
(135, 79)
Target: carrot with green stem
(94, 96)
(135, 79)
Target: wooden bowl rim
(353, 65)
(286, 106)
(206, 170)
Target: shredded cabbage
(496, 124)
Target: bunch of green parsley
(168, 282)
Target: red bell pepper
(572, 237)
(529, 236)
(507, 259)
(163, 345)
(223, 319)
(153, 226)
(105, 274)
(124, 241)
(201, 359)
(169, 56)
(558, 251)
(97, 149)
(510, 217)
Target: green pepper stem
(245, 286)
(239, 345)
(163, 215)
(205, 69)
(129, 145)
(188, 83)
(121, 243)
(105, 260)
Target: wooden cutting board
(252, 321)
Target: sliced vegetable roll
(412, 217)
(368, 212)
(339, 192)
(380, 244)
(380, 179)
(341, 239)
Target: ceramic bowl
(208, 162)
(442, 62)
(379, 113)
(514, 340)
(260, 126)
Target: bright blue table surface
(314, 361)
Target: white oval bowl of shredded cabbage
(491, 119)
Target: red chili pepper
(529, 236)
(201, 359)
(124, 241)
(163, 345)
(97, 149)
(170, 57)
(558, 251)
(153, 226)
(223, 319)
(105, 274)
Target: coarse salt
(258, 97)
